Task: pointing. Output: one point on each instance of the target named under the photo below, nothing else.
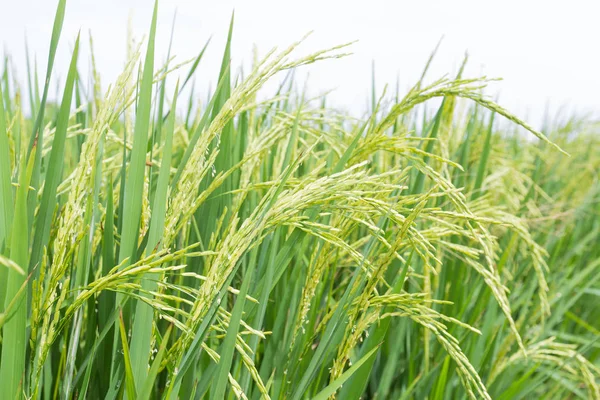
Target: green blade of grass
(30, 81)
(148, 385)
(142, 328)
(6, 197)
(336, 384)
(129, 381)
(12, 364)
(54, 167)
(130, 208)
(228, 346)
(135, 176)
(37, 135)
(106, 300)
(484, 157)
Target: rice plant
(279, 248)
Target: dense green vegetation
(281, 249)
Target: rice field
(153, 246)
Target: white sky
(546, 51)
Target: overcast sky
(546, 51)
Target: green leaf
(129, 381)
(12, 365)
(228, 346)
(336, 384)
(137, 165)
(142, 328)
(148, 385)
(37, 135)
(6, 196)
(484, 157)
(54, 168)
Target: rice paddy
(437, 247)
